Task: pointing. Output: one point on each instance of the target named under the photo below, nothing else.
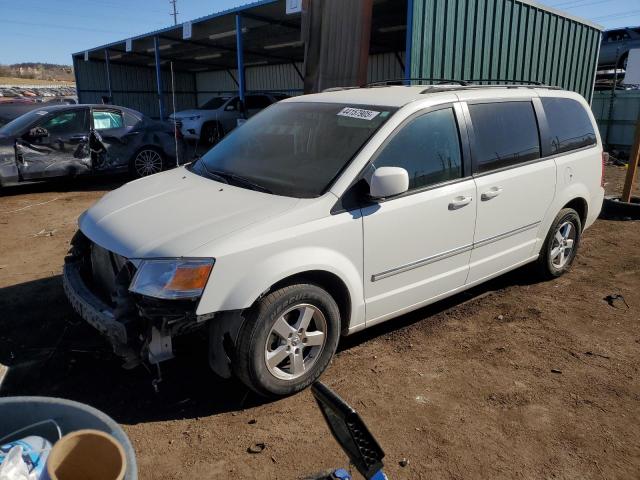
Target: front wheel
(561, 245)
(288, 340)
(147, 161)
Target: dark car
(61, 140)
(614, 50)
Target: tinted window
(256, 102)
(428, 147)
(569, 124)
(72, 121)
(293, 149)
(104, 120)
(506, 133)
(19, 125)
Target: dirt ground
(514, 379)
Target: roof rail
(506, 81)
(403, 81)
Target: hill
(38, 71)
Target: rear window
(506, 133)
(569, 124)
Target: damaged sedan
(70, 140)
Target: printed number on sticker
(358, 113)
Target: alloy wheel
(295, 342)
(563, 244)
(148, 162)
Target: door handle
(493, 192)
(459, 202)
(79, 138)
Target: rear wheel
(146, 162)
(287, 340)
(561, 245)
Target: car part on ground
(615, 209)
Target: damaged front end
(140, 328)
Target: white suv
(218, 116)
(326, 214)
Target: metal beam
(239, 50)
(108, 68)
(156, 45)
(228, 49)
(409, 41)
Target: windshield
(294, 149)
(19, 125)
(214, 104)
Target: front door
(515, 186)
(110, 139)
(417, 245)
(59, 148)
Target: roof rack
(505, 81)
(403, 81)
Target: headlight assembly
(172, 279)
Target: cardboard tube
(86, 455)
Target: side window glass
(104, 120)
(256, 102)
(69, 122)
(569, 124)
(428, 147)
(506, 133)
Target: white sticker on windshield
(41, 112)
(358, 113)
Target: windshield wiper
(226, 176)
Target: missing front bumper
(97, 313)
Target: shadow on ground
(67, 184)
(50, 351)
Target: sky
(51, 30)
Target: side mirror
(349, 430)
(388, 182)
(37, 133)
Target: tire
(147, 161)
(211, 133)
(622, 63)
(270, 330)
(554, 260)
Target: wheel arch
(581, 206)
(326, 280)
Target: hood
(172, 213)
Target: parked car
(61, 140)
(218, 116)
(326, 214)
(615, 46)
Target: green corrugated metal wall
(502, 40)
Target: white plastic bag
(14, 467)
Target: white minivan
(326, 214)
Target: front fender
(233, 289)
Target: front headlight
(172, 279)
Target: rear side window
(428, 147)
(104, 120)
(506, 134)
(569, 124)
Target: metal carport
(258, 47)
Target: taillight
(178, 131)
(605, 160)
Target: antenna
(175, 12)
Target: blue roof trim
(229, 11)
